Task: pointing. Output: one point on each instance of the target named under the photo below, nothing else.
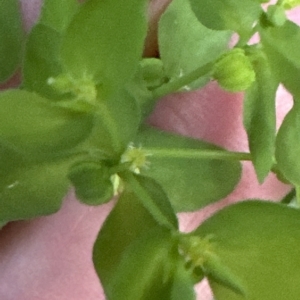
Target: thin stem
(245, 39)
(279, 2)
(120, 168)
(179, 83)
(198, 154)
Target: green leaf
(11, 37)
(138, 89)
(38, 129)
(117, 119)
(128, 221)
(30, 190)
(288, 145)
(92, 182)
(146, 269)
(153, 198)
(96, 45)
(259, 250)
(41, 60)
(183, 284)
(238, 16)
(259, 114)
(57, 14)
(190, 182)
(185, 44)
(215, 269)
(285, 61)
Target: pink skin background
(49, 258)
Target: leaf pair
(42, 136)
(285, 64)
(134, 256)
(187, 169)
(66, 39)
(257, 249)
(36, 146)
(273, 63)
(252, 253)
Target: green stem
(120, 168)
(279, 2)
(145, 199)
(179, 83)
(198, 154)
(245, 39)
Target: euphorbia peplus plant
(79, 118)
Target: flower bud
(63, 83)
(234, 71)
(153, 72)
(290, 4)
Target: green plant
(79, 118)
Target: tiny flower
(137, 157)
(84, 89)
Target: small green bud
(63, 83)
(290, 4)
(92, 182)
(153, 72)
(234, 71)
(276, 15)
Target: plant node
(137, 157)
(196, 250)
(84, 89)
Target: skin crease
(49, 258)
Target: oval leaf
(41, 60)
(115, 124)
(145, 277)
(183, 284)
(153, 198)
(259, 115)
(57, 14)
(185, 44)
(29, 190)
(96, 45)
(288, 146)
(118, 232)
(189, 182)
(238, 16)
(258, 241)
(37, 129)
(285, 61)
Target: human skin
(49, 258)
